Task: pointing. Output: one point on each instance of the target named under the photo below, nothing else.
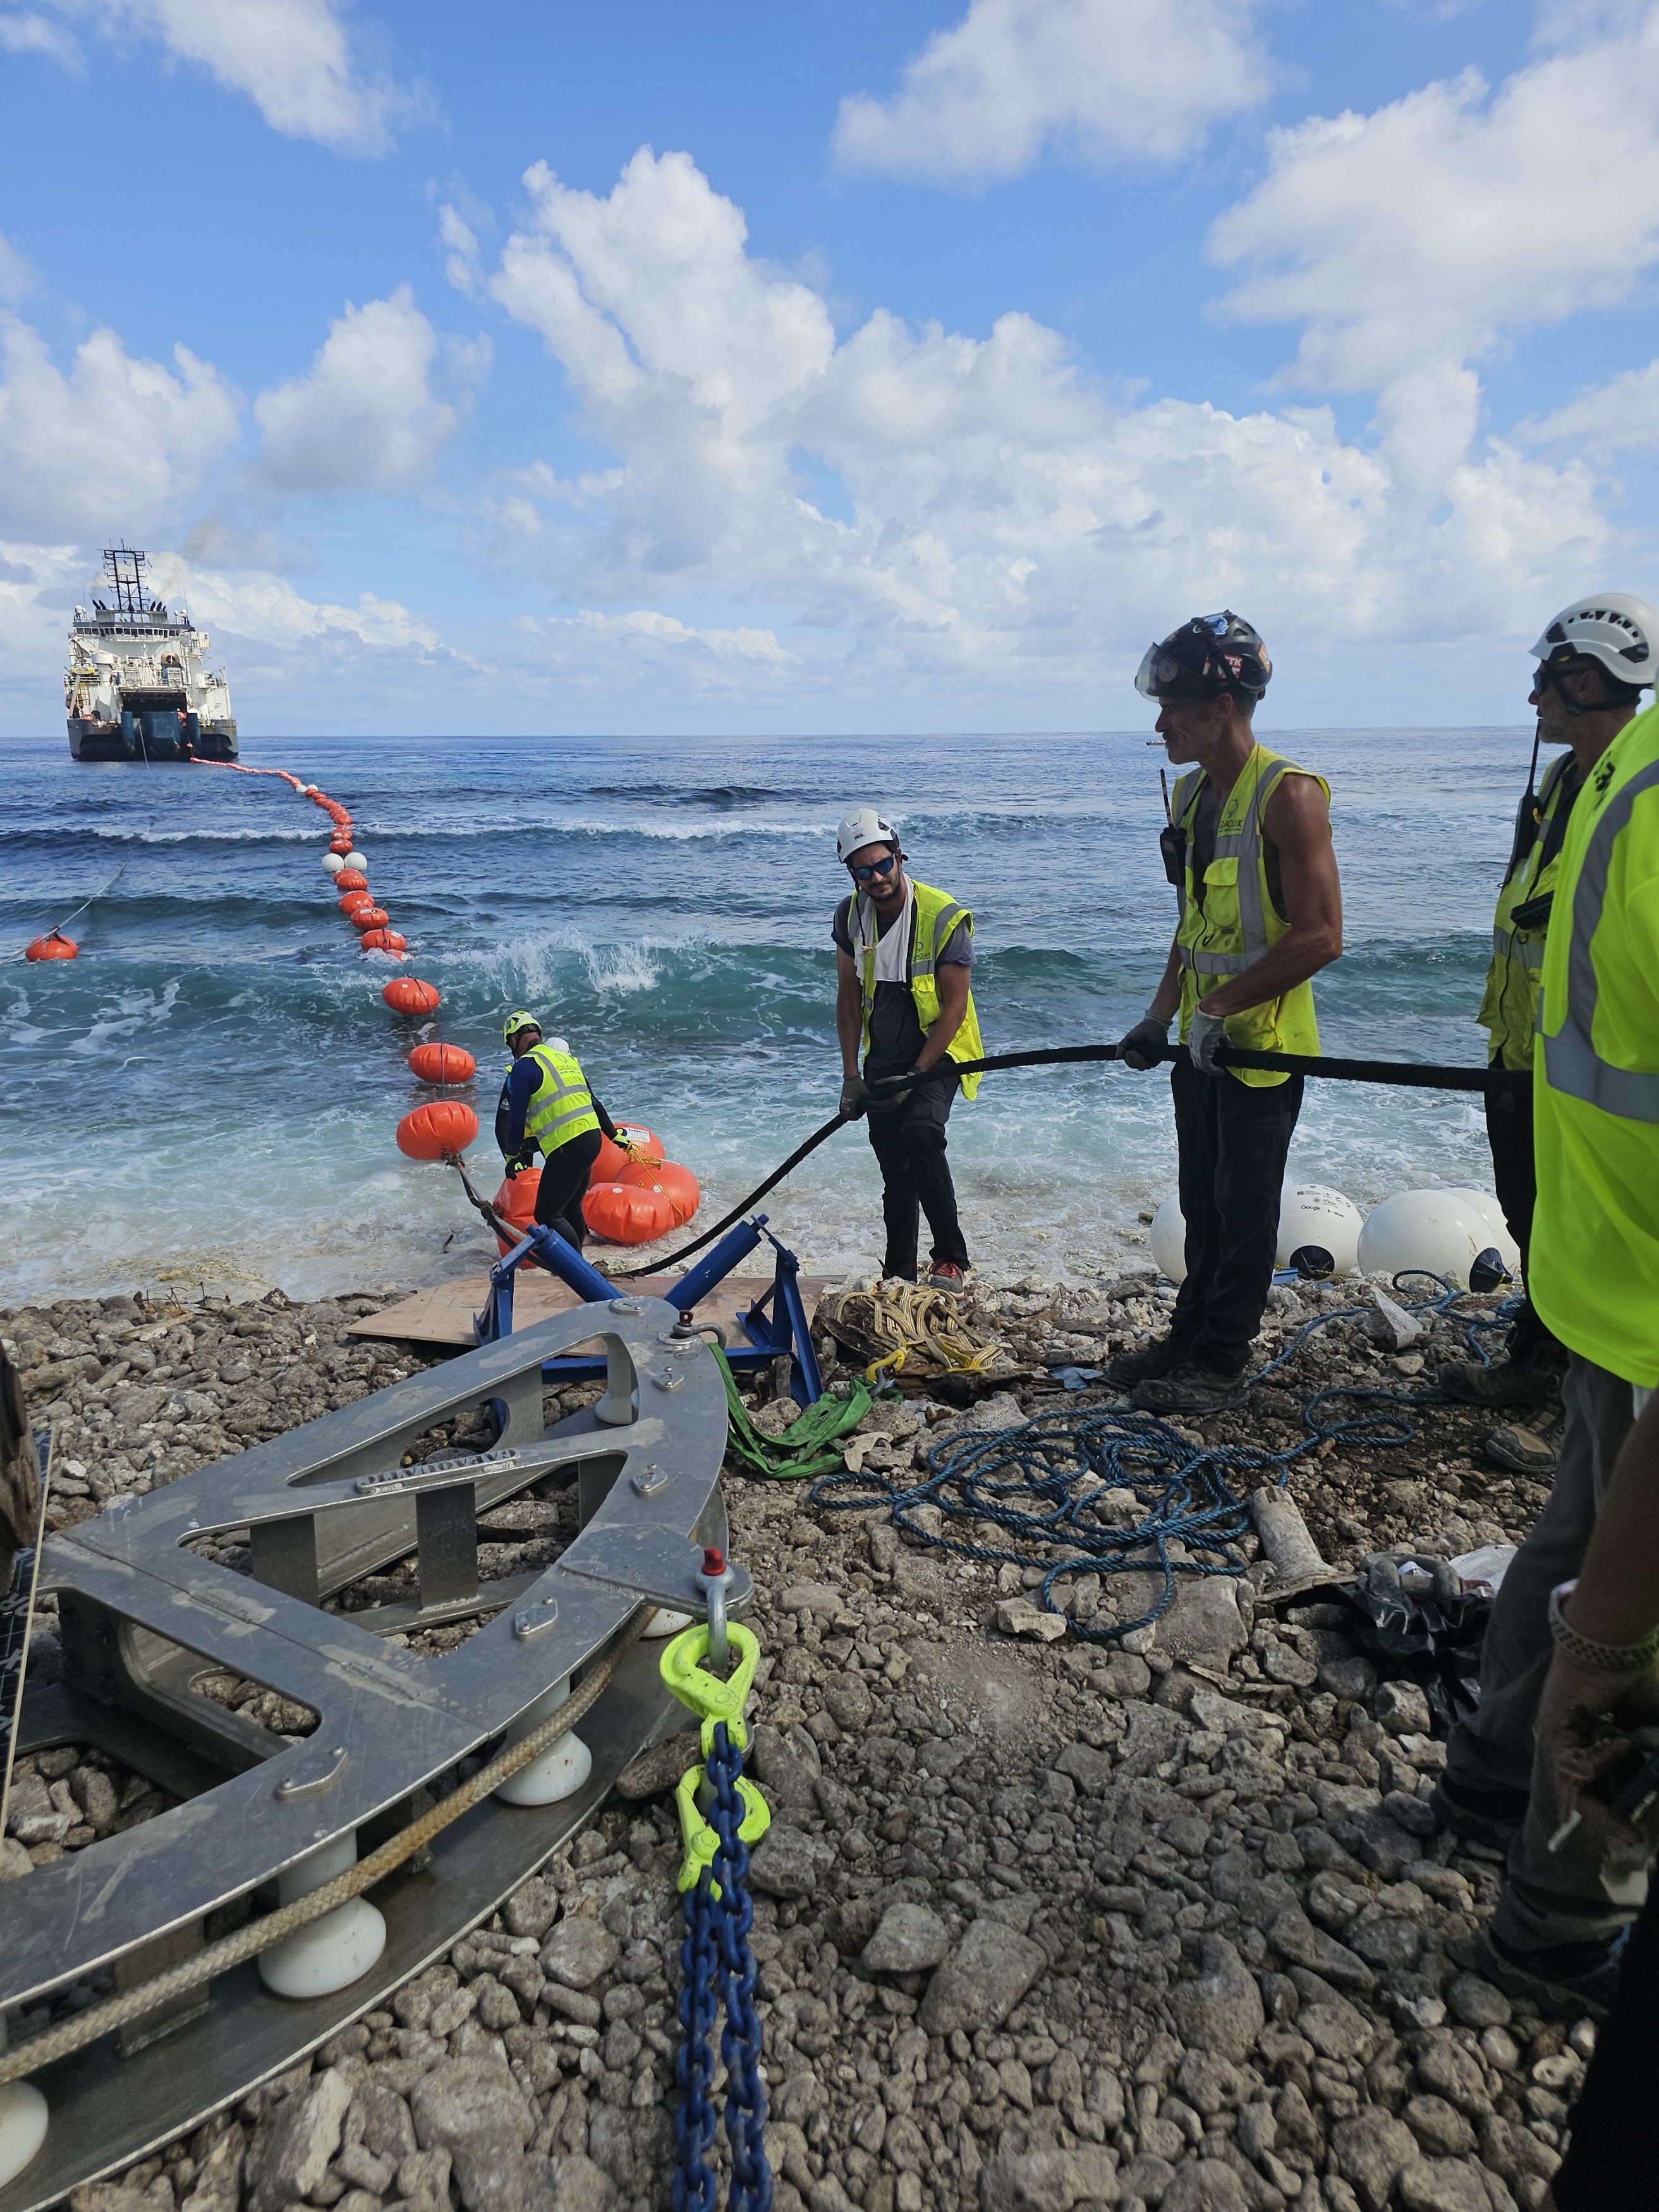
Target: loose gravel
(1041, 1922)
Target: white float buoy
(561, 1769)
(332, 1952)
(1492, 1214)
(357, 861)
(666, 1622)
(1312, 1213)
(1168, 1240)
(23, 2117)
(333, 863)
(1438, 1233)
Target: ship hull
(147, 735)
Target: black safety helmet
(1210, 654)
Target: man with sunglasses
(904, 954)
(1593, 661)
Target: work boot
(1505, 1383)
(1148, 1363)
(947, 1275)
(1563, 1981)
(1533, 1449)
(1479, 1814)
(1190, 1388)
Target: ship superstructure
(137, 687)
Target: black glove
(515, 1166)
(1144, 1044)
(855, 1097)
(891, 1099)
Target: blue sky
(834, 368)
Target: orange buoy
(382, 940)
(56, 946)
(407, 994)
(351, 879)
(516, 1199)
(355, 902)
(626, 1214)
(441, 1126)
(647, 1152)
(444, 1063)
(369, 917)
(678, 1185)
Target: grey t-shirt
(896, 1030)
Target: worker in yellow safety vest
(1571, 1891)
(904, 957)
(546, 1105)
(1593, 661)
(1249, 849)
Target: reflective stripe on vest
(1571, 1061)
(1509, 1005)
(560, 1106)
(934, 914)
(1287, 1023)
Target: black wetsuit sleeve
(516, 1092)
(607, 1127)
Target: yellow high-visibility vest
(1595, 1072)
(560, 1106)
(934, 914)
(1226, 934)
(1514, 981)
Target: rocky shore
(1042, 1922)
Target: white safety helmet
(1615, 628)
(862, 827)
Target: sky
(846, 367)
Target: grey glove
(1206, 1032)
(1145, 1042)
(854, 1094)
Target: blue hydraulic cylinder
(735, 1246)
(564, 1260)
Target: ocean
(205, 1099)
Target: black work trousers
(909, 1142)
(563, 1186)
(1514, 1173)
(1613, 2159)
(1233, 1137)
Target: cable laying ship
(136, 688)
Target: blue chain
(1020, 1480)
(693, 2122)
(719, 1969)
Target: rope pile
(1040, 1485)
(909, 1328)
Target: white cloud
(1419, 235)
(31, 34)
(1621, 416)
(292, 58)
(117, 444)
(1010, 525)
(270, 611)
(1106, 79)
(365, 417)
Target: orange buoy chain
(444, 1127)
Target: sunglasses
(879, 868)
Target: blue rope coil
(719, 1967)
(1021, 1480)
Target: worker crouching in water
(1593, 661)
(1249, 848)
(904, 956)
(546, 1106)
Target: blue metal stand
(782, 1330)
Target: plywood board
(443, 1314)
